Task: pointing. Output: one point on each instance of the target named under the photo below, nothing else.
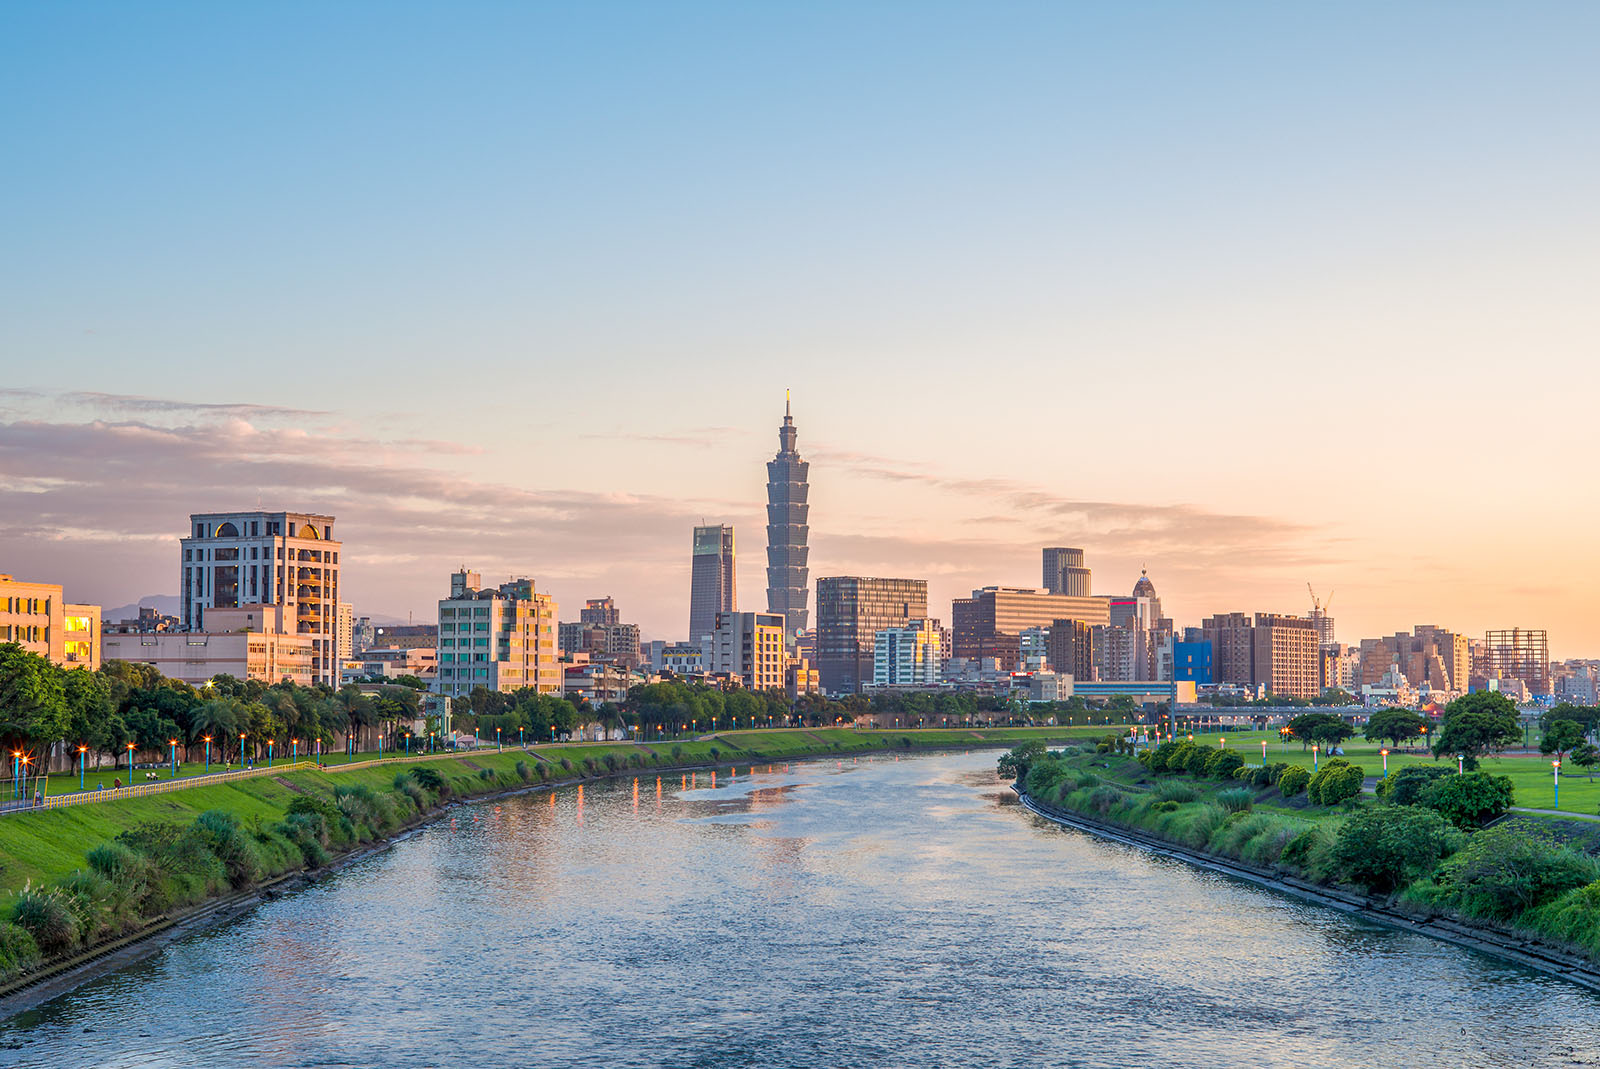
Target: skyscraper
(851, 610)
(711, 581)
(1064, 572)
(786, 531)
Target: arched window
(308, 531)
(227, 530)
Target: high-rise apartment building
(907, 656)
(346, 630)
(1270, 650)
(1071, 649)
(37, 618)
(989, 622)
(787, 531)
(749, 647)
(712, 580)
(1285, 655)
(600, 611)
(499, 638)
(284, 559)
(1065, 573)
(1519, 653)
(851, 610)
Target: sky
(1252, 295)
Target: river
(871, 912)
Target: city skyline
(224, 296)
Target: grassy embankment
(1514, 876)
(74, 877)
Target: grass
(1531, 774)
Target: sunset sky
(1252, 294)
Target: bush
(431, 781)
(677, 752)
(1335, 784)
(1236, 800)
(220, 833)
(1176, 792)
(1383, 848)
(566, 764)
(19, 953)
(1221, 765)
(1161, 755)
(1471, 799)
(1293, 780)
(1267, 775)
(524, 773)
(1405, 787)
(485, 774)
(1505, 870)
(47, 918)
(1194, 761)
(115, 860)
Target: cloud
(118, 402)
(695, 437)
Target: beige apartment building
(36, 617)
(247, 642)
(749, 646)
(501, 638)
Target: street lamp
(241, 751)
(1461, 764)
(1314, 749)
(174, 744)
(208, 754)
(269, 753)
(130, 764)
(1263, 753)
(1555, 770)
(83, 756)
(1385, 755)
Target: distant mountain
(167, 604)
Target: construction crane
(1321, 607)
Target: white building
(749, 646)
(907, 656)
(284, 559)
(1033, 648)
(500, 639)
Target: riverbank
(1272, 846)
(307, 823)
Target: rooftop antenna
(786, 402)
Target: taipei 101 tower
(787, 530)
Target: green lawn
(1530, 773)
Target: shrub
(1087, 779)
(1293, 780)
(566, 764)
(1405, 787)
(677, 752)
(309, 833)
(220, 833)
(715, 753)
(1470, 799)
(19, 953)
(1245, 773)
(1221, 765)
(613, 762)
(1383, 848)
(431, 780)
(1267, 775)
(1505, 870)
(1176, 792)
(1334, 785)
(485, 774)
(1164, 807)
(1160, 756)
(1103, 797)
(1200, 824)
(115, 860)
(1194, 762)
(46, 917)
(524, 773)
(1236, 800)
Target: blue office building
(1191, 661)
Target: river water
(871, 912)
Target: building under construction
(1519, 653)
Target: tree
(1585, 755)
(1470, 800)
(1477, 724)
(1324, 728)
(1385, 848)
(1394, 725)
(33, 701)
(1561, 736)
(1014, 765)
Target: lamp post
(294, 750)
(1313, 757)
(130, 764)
(208, 754)
(25, 777)
(269, 753)
(521, 743)
(408, 744)
(83, 756)
(1263, 753)
(1461, 764)
(1555, 770)
(241, 751)
(498, 745)
(1222, 742)
(1385, 755)
(173, 743)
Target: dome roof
(1144, 588)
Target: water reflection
(882, 912)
